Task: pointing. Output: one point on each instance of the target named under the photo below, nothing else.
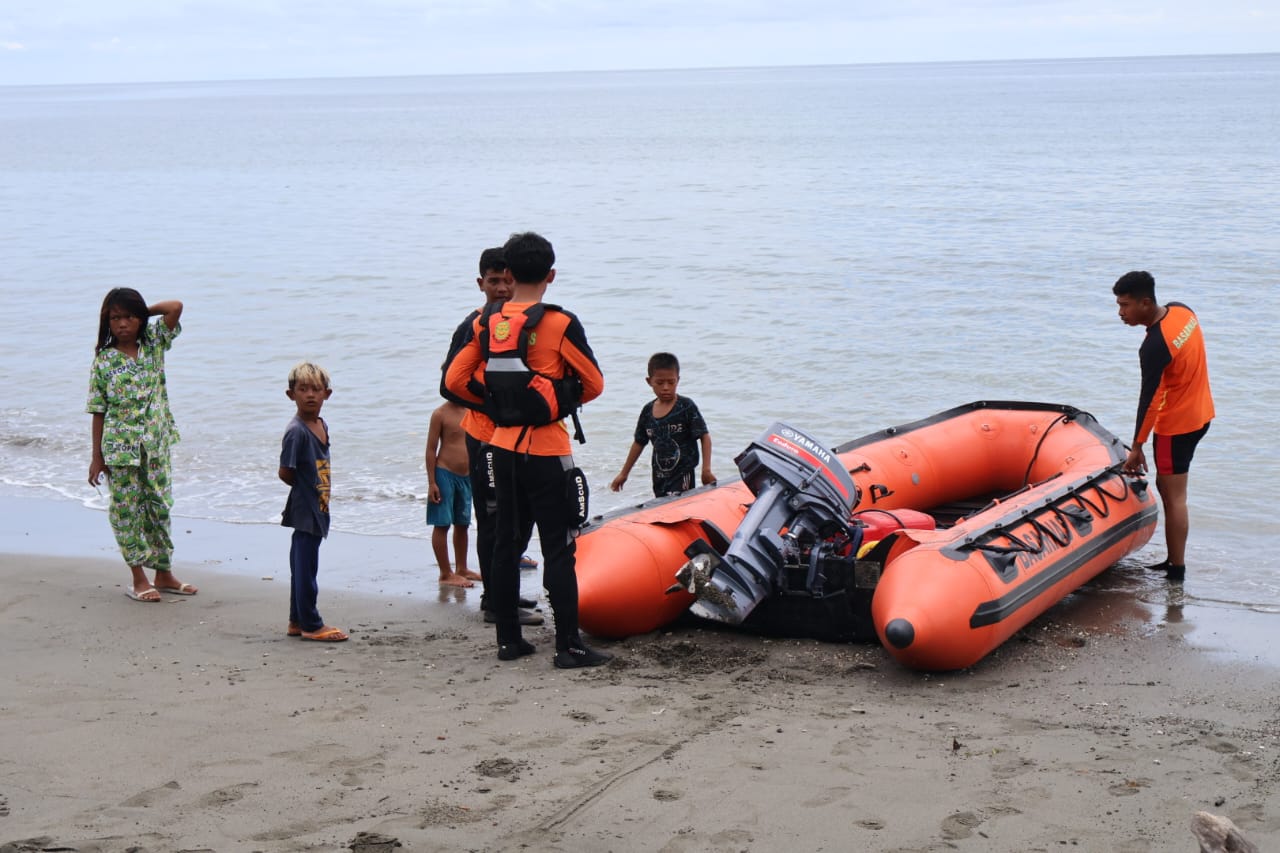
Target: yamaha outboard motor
(801, 514)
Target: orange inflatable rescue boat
(941, 538)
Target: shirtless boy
(449, 493)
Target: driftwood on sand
(1219, 835)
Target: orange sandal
(294, 630)
(326, 634)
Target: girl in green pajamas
(132, 433)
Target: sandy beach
(195, 724)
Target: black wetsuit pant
(533, 489)
(484, 500)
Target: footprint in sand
(1012, 767)
(1254, 812)
(1220, 745)
(1240, 767)
(738, 839)
(1238, 763)
(373, 842)
(225, 796)
(33, 845)
(960, 825)
(826, 797)
(501, 768)
(152, 796)
(354, 772)
(353, 712)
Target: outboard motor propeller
(804, 499)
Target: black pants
(532, 489)
(484, 500)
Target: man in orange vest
(537, 367)
(496, 287)
(1175, 405)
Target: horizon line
(640, 70)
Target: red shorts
(1173, 452)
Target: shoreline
(397, 567)
(400, 568)
(196, 724)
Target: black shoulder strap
(489, 310)
(533, 314)
(532, 317)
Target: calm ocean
(845, 248)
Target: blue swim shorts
(454, 509)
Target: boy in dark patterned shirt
(304, 467)
(676, 429)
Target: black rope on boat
(1101, 509)
(1104, 509)
(1042, 532)
(1026, 478)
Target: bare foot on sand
(455, 579)
(470, 575)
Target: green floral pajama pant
(141, 497)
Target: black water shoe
(578, 656)
(518, 649)
(1172, 571)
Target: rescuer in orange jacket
(1175, 405)
(529, 364)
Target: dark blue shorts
(454, 509)
(1173, 452)
(673, 483)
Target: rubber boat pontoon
(941, 538)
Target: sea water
(844, 248)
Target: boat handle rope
(1073, 415)
(1104, 510)
(1042, 531)
(1062, 419)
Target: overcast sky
(107, 41)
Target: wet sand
(195, 724)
